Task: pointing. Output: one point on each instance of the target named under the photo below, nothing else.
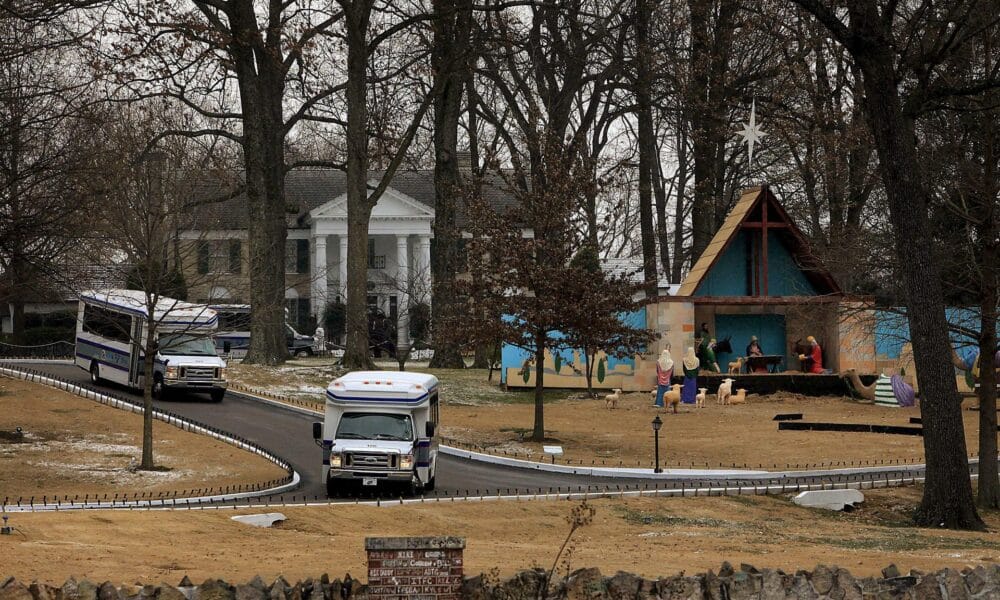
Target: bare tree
(202, 54)
(890, 44)
(146, 203)
(44, 126)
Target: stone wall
(744, 583)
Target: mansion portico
(399, 246)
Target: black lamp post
(657, 423)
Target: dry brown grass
(77, 447)
(726, 435)
(648, 536)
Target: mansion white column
(342, 284)
(403, 287)
(424, 265)
(319, 276)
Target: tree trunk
(947, 499)
(588, 371)
(261, 85)
(662, 237)
(356, 354)
(647, 145)
(451, 40)
(538, 432)
(681, 188)
(149, 347)
(989, 482)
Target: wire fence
(60, 349)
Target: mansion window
(296, 256)
(220, 256)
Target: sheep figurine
(725, 391)
(611, 400)
(740, 397)
(672, 398)
(699, 399)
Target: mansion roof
(307, 190)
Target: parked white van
(111, 333)
(380, 429)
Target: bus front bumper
(200, 384)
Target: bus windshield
(375, 426)
(176, 344)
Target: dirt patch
(479, 413)
(660, 536)
(741, 435)
(76, 447)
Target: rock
(953, 584)
(185, 582)
(926, 589)
(822, 580)
(249, 592)
(726, 570)
(169, 592)
(279, 589)
(749, 569)
(774, 585)
(829, 499)
(802, 589)
(525, 584)
(82, 590)
(627, 585)
(107, 591)
(890, 572)
(845, 586)
(474, 588)
(975, 580)
(585, 584)
(215, 589)
(260, 520)
(682, 588)
(14, 590)
(41, 591)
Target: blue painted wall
(514, 356)
(769, 329)
(784, 277)
(892, 331)
(730, 276)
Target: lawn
(480, 414)
(647, 536)
(77, 447)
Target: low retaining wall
(746, 583)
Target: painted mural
(566, 367)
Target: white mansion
(399, 245)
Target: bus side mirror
(430, 429)
(317, 430)
(227, 347)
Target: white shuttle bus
(380, 430)
(111, 333)
(232, 339)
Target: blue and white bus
(232, 337)
(111, 334)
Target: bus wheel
(429, 486)
(217, 395)
(331, 489)
(95, 373)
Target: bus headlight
(222, 373)
(171, 372)
(406, 462)
(335, 460)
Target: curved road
(288, 434)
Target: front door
(135, 362)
